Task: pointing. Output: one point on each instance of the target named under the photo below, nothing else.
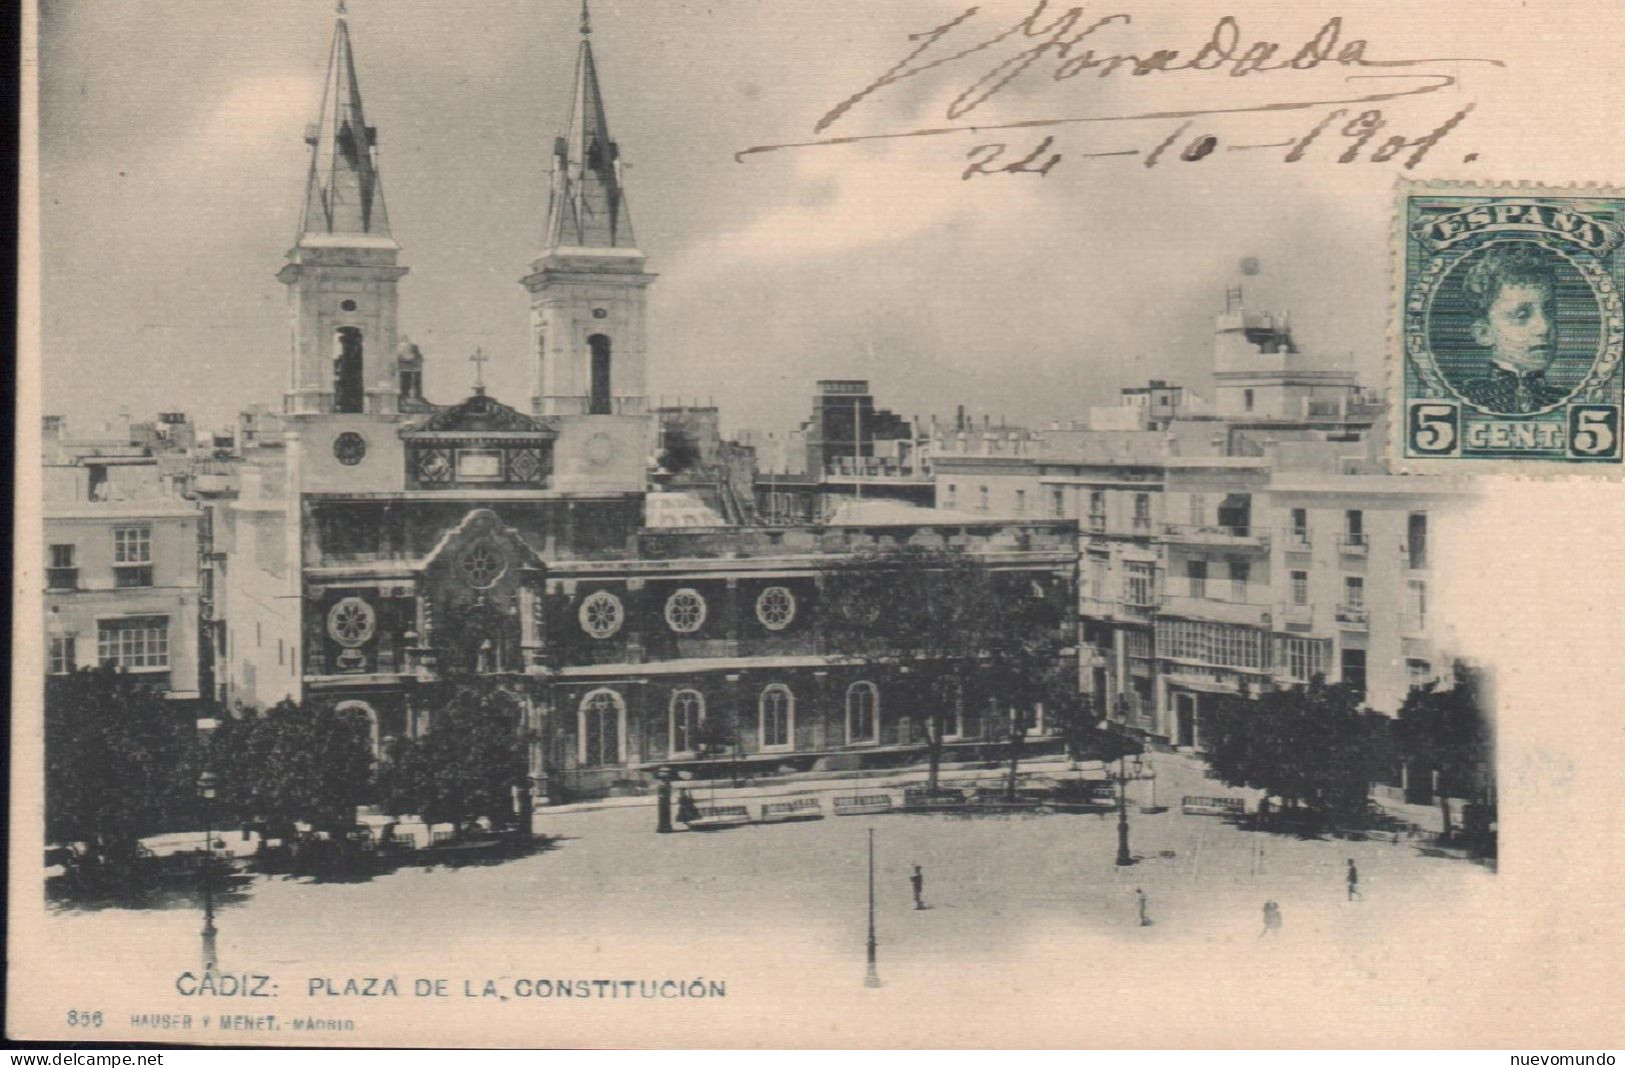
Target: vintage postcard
(550, 523)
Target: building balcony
(1296, 616)
(1187, 603)
(1137, 608)
(62, 578)
(1352, 617)
(1297, 541)
(1415, 554)
(1354, 544)
(880, 473)
(1221, 536)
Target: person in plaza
(1353, 880)
(687, 810)
(917, 881)
(1272, 919)
(1264, 812)
(1139, 894)
(1511, 291)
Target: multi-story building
(1231, 554)
(121, 575)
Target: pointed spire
(344, 194)
(588, 207)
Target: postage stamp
(1511, 325)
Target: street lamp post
(206, 791)
(1124, 857)
(872, 979)
(663, 801)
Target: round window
(776, 607)
(348, 305)
(351, 622)
(600, 313)
(483, 565)
(601, 614)
(685, 611)
(349, 448)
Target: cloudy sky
(173, 163)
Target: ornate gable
(479, 443)
(482, 528)
(478, 414)
(481, 587)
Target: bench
(806, 808)
(1213, 806)
(862, 804)
(918, 797)
(720, 816)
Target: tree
(969, 636)
(294, 763)
(1445, 731)
(120, 762)
(1309, 745)
(468, 763)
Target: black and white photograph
(581, 523)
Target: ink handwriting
(1065, 43)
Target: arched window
(862, 713)
(602, 722)
(687, 713)
(777, 717)
(599, 402)
(372, 722)
(349, 389)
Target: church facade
(385, 547)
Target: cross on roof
(342, 10)
(478, 360)
(586, 19)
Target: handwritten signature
(1064, 44)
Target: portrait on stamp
(1512, 328)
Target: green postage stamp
(1511, 328)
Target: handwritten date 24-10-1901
(1065, 40)
(1351, 139)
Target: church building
(384, 546)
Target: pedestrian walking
(1264, 812)
(1139, 894)
(917, 880)
(1272, 919)
(1353, 880)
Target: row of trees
(1315, 746)
(123, 763)
(972, 638)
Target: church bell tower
(341, 272)
(587, 288)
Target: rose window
(776, 607)
(351, 622)
(601, 614)
(483, 565)
(685, 611)
(349, 448)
